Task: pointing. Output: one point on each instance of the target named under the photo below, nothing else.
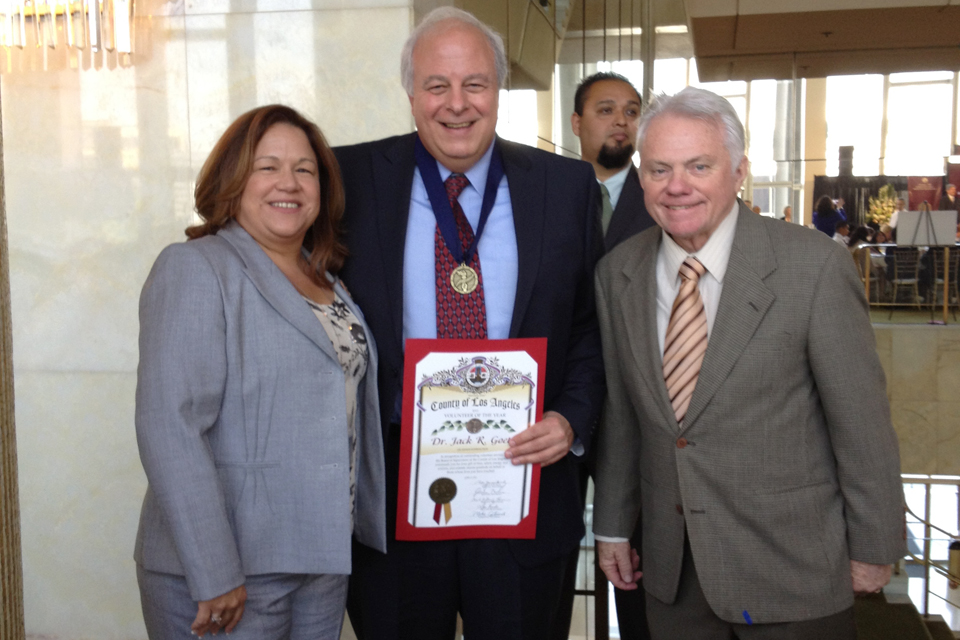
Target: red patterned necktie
(458, 315)
(686, 340)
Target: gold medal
(464, 280)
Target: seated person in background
(859, 237)
(756, 209)
(890, 232)
(841, 232)
(787, 214)
(901, 206)
(884, 235)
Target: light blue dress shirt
(614, 184)
(497, 249)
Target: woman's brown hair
(224, 176)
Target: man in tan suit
(765, 463)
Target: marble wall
(100, 155)
(922, 364)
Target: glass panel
(918, 129)
(920, 76)
(943, 514)
(632, 70)
(517, 117)
(763, 124)
(669, 75)
(854, 117)
(771, 199)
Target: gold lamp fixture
(98, 24)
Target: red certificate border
(415, 351)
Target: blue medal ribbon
(440, 203)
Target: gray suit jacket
(241, 423)
(787, 466)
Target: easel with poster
(926, 228)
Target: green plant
(883, 206)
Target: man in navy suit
(606, 111)
(537, 252)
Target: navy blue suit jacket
(630, 216)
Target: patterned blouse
(350, 342)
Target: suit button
(680, 509)
(681, 443)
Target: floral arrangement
(883, 206)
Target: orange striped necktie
(686, 340)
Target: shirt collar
(614, 183)
(714, 255)
(616, 180)
(477, 174)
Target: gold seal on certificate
(443, 491)
(464, 279)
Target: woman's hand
(223, 612)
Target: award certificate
(462, 402)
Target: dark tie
(686, 340)
(458, 315)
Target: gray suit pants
(279, 606)
(691, 618)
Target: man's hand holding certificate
(473, 440)
(542, 443)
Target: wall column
(815, 144)
(11, 567)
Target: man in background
(895, 216)
(841, 232)
(950, 202)
(606, 110)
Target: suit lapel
(743, 304)
(392, 181)
(639, 308)
(527, 182)
(275, 288)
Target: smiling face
(455, 94)
(608, 127)
(688, 181)
(281, 199)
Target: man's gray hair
(701, 104)
(430, 22)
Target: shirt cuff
(577, 448)
(610, 538)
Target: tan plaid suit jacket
(787, 466)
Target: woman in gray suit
(257, 414)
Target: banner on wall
(953, 174)
(924, 189)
